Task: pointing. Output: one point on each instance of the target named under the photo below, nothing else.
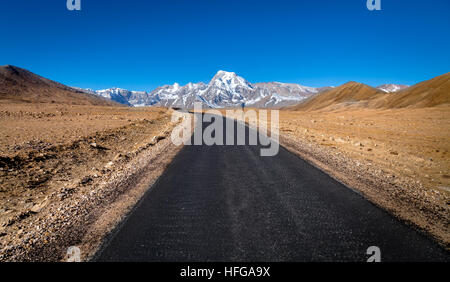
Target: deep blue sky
(140, 45)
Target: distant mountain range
(226, 89)
(389, 88)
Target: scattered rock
(38, 181)
(65, 192)
(86, 180)
(98, 147)
(118, 156)
(38, 207)
(159, 138)
(109, 165)
(358, 144)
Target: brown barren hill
(430, 93)
(351, 94)
(20, 85)
(392, 147)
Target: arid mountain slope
(353, 95)
(350, 94)
(20, 85)
(430, 93)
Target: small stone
(86, 180)
(109, 165)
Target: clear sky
(140, 45)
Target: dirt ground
(69, 173)
(398, 158)
(58, 161)
(413, 143)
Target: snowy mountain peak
(112, 89)
(225, 74)
(229, 81)
(389, 88)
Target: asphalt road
(227, 203)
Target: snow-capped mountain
(115, 94)
(277, 94)
(226, 89)
(176, 95)
(127, 97)
(389, 88)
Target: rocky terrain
(71, 165)
(399, 159)
(62, 167)
(393, 147)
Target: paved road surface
(226, 203)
